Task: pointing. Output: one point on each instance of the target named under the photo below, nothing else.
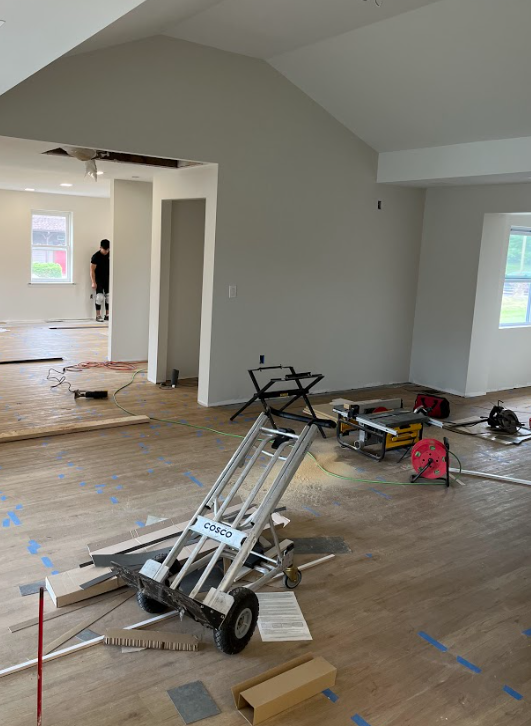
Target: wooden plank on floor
(23, 624)
(104, 609)
(29, 360)
(72, 428)
(65, 587)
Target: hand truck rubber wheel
(238, 627)
(292, 584)
(149, 604)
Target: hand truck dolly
(232, 612)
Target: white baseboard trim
(452, 391)
(317, 392)
(510, 388)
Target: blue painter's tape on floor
(359, 720)
(368, 554)
(33, 547)
(46, 561)
(119, 486)
(467, 664)
(312, 511)
(380, 494)
(193, 478)
(114, 500)
(6, 522)
(330, 695)
(19, 506)
(432, 641)
(61, 476)
(150, 471)
(70, 463)
(3, 498)
(54, 572)
(13, 517)
(114, 476)
(514, 694)
(139, 523)
(527, 632)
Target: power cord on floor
(239, 436)
(60, 380)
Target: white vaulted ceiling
(407, 74)
(36, 32)
(452, 72)
(259, 28)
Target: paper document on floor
(281, 617)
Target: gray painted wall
(186, 286)
(325, 280)
(130, 265)
(450, 347)
(91, 222)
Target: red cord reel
(426, 450)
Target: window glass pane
(50, 246)
(49, 265)
(515, 303)
(519, 255)
(49, 229)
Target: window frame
(526, 231)
(68, 248)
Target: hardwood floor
(453, 564)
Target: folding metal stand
(266, 392)
(232, 612)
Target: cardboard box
(272, 692)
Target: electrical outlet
(262, 359)
(232, 291)
(379, 204)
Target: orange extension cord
(110, 364)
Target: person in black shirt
(99, 275)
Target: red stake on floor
(39, 657)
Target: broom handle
(39, 657)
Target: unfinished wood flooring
(452, 564)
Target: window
(51, 247)
(516, 301)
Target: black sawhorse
(297, 390)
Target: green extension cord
(238, 436)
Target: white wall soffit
(35, 32)
(451, 72)
(504, 160)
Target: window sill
(46, 284)
(515, 326)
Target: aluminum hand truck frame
(231, 611)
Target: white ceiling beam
(509, 158)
